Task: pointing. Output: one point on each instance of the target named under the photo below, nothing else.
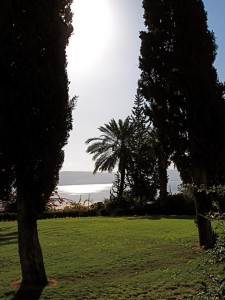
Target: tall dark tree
(112, 148)
(162, 163)
(35, 116)
(181, 87)
(142, 166)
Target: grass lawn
(110, 258)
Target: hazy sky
(103, 66)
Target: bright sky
(103, 66)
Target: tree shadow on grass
(8, 238)
(28, 293)
(153, 217)
(159, 217)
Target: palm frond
(110, 146)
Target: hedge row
(4, 216)
(175, 205)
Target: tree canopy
(112, 148)
(181, 87)
(142, 167)
(36, 114)
(180, 83)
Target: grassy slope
(109, 258)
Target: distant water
(84, 177)
(84, 192)
(83, 186)
(173, 181)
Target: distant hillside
(82, 177)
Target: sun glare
(92, 30)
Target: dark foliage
(141, 173)
(57, 214)
(180, 84)
(184, 97)
(111, 148)
(178, 204)
(36, 114)
(213, 286)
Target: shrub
(178, 204)
(214, 287)
(53, 214)
(6, 216)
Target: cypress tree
(36, 113)
(181, 87)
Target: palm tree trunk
(31, 259)
(122, 181)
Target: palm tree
(112, 148)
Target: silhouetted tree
(142, 166)
(162, 163)
(181, 87)
(35, 116)
(112, 148)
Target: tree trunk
(122, 180)
(205, 232)
(31, 259)
(202, 207)
(163, 183)
(163, 178)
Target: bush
(103, 212)
(214, 287)
(6, 216)
(178, 204)
(68, 213)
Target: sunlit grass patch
(111, 258)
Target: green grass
(110, 258)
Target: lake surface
(83, 186)
(83, 192)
